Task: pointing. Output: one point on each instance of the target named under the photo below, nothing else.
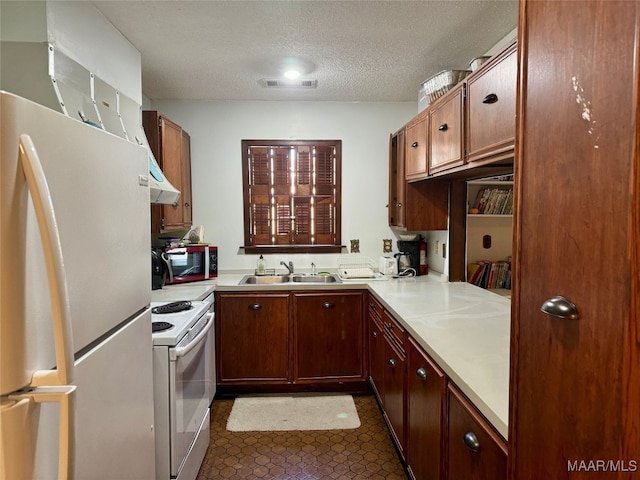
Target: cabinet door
(491, 99)
(394, 391)
(171, 148)
(377, 353)
(416, 147)
(396, 179)
(329, 336)
(446, 141)
(576, 382)
(426, 393)
(185, 197)
(476, 452)
(252, 338)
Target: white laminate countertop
(464, 328)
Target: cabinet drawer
(491, 107)
(476, 451)
(394, 330)
(375, 308)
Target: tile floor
(365, 453)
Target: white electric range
(182, 362)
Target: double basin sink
(295, 278)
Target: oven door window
(189, 375)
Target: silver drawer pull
(421, 373)
(472, 442)
(560, 307)
(328, 305)
(255, 306)
(391, 362)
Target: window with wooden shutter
(292, 195)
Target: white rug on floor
(300, 412)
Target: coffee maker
(413, 254)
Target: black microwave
(191, 263)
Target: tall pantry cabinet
(575, 382)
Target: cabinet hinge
(159, 122)
(464, 90)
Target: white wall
(79, 31)
(216, 130)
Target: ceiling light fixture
(292, 74)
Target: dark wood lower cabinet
(394, 391)
(427, 416)
(329, 336)
(252, 338)
(475, 450)
(290, 341)
(387, 367)
(426, 389)
(376, 357)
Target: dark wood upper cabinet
(575, 383)
(491, 109)
(171, 147)
(416, 205)
(416, 164)
(446, 131)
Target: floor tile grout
(364, 453)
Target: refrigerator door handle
(52, 249)
(65, 397)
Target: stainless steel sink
(298, 279)
(315, 279)
(264, 279)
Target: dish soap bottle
(261, 270)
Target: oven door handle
(182, 351)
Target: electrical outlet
(444, 250)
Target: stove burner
(172, 307)
(160, 326)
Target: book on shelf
(494, 201)
(490, 274)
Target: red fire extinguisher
(423, 258)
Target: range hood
(36, 71)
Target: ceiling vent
(284, 83)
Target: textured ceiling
(357, 50)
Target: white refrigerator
(76, 373)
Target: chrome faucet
(288, 267)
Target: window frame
(336, 199)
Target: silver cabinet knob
(255, 306)
(421, 373)
(560, 307)
(472, 442)
(391, 362)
